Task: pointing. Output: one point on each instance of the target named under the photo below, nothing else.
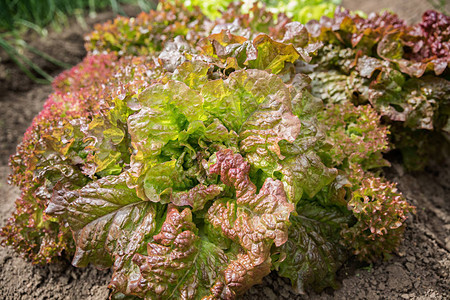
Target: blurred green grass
(441, 5)
(18, 17)
(38, 14)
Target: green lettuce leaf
(108, 148)
(167, 113)
(302, 170)
(256, 105)
(305, 173)
(155, 124)
(251, 109)
(313, 253)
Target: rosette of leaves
(356, 45)
(380, 210)
(372, 62)
(210, 148)
(193, 174)
(148, 32)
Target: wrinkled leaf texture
(191, 168)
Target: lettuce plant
(401, 71)
(299, 10)
(192, 158)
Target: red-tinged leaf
(107, 219)
(178, 264)
(380, 210)
(255, 221)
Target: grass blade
(13, 54)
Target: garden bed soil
(420, 269)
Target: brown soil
(419, 270)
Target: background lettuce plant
(299, 10)
(195, 156)
(401, 71)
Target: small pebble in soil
(410, 266)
